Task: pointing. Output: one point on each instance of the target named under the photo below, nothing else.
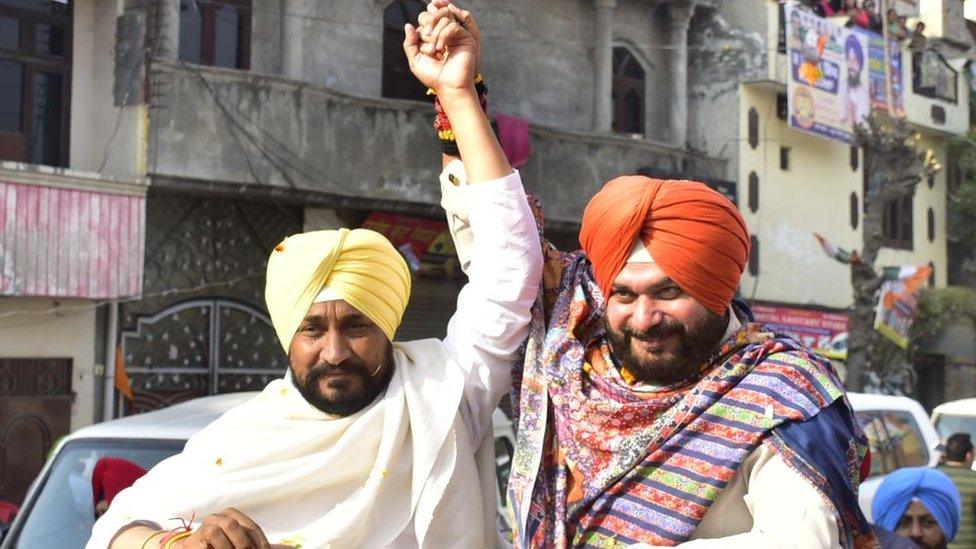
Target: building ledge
(64, 178)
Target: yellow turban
(360, 265)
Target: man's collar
(734, 326)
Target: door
(196, 348)
(35, 411)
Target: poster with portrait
(828, 88)
(878, 80)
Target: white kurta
(414, 468)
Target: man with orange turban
(651, 411)
(366, 442)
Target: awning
(70, 237)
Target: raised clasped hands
(443, 50)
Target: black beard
(349, 401)
(697, 342)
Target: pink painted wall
(70, 243)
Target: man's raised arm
(494, 308)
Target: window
(35, 78)
(754, 255)
(753, 192)
(628, 93)
(65, 498)
(897, 223)
(216, 32)
(932, 76)
(882, 460)
(398, 82)
(930, 222)
(753, 127)
(906, 441)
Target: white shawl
(401, 472)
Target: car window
(948, 425)
(906, 438)
(882, 461)
(62, 513)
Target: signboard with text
(823, 331)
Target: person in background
(958, 466)
(896, 25)
(917, 43)
(856, 15)
(919, 503)
(109, 477)
(874, 18)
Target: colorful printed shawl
(600, 463)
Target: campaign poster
(898, 302)
(878, 81)
(828, 85)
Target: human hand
(443, 52)
(228, 529)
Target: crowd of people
(866, 14)
(651, 409)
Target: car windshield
(62, 512)
(949, 424)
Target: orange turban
(694, 233)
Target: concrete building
(793, 185)
(267, 117)
(233, 123)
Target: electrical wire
(169, 292)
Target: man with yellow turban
(365, 443)
(651, 410)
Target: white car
(58, 510)
(957, 416)
(900, 435)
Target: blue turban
(932, 487)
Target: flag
(898, 301)
(836, 252)
(122, 382)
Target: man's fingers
(433, 19)
(428, 50)
(434, 37)
(463, 17)
(253, 530)
(410, 42)
(449, 34)
(211, 536)
(237, 534)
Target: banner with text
(823, 331)
(836, 75)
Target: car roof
(870, 401)
(962, 407)
(180, 421)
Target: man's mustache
(657, 332)
(348, 366)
